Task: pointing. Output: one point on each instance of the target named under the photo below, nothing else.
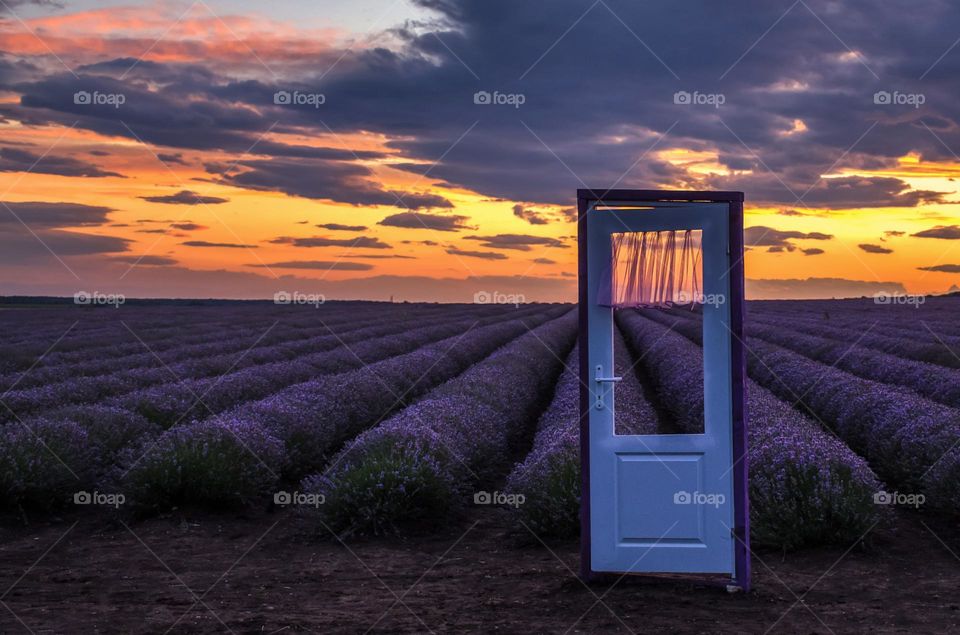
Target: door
(660, 503)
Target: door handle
(600, 379)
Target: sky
(430, 150)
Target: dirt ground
(262, 573)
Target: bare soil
(265, 573)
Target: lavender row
(913, 442)
(202, 346)
(171, 403)
(805, 486)
(166, 393)
(237, 334)
(549, 477)
(930, 380)
(418, 465)
(922, 345)
(222, 460)
(206, 359)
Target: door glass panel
(656, 292)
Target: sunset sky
(236, 149)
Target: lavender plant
(432, 452)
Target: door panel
(661, 503)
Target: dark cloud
(361, 242)
(893, 233)
(325, 265)
(33, 233)
(942, 268)
(778, 241)
(17, 160)
(544, 261)
(483, 255)
(176, 158)
(420, 220)
(185, 197)
(380, 256)
(874, 249)
(530, 215)
(204, 243)
(325, 179)
(146, 260)
(342, 228)
(187, 226)
(45, 214)
(813, 251)
(520, 242)
(946, 232)
(543, 151)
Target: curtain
(655, 268)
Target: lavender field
(375, 418)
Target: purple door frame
(734, 201)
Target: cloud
(942, 268)
(483, 255)
(43, 214)
(17, 160)
(204, 243)
(360, 242)
(326, 179)
(176, 158)
(379, 256)
(813, 251)
(519, 242)
(778, 241)
(813, 288)
(185, 197)
(188, 226)
(946, 232)
(531, 216)
(420, 220)
(544, 261)
(18, 246)
(325, 265)
(893, 233)
(874, 249)
(342, 228)
(146, 260)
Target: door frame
(586, 199)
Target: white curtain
(655, 268)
